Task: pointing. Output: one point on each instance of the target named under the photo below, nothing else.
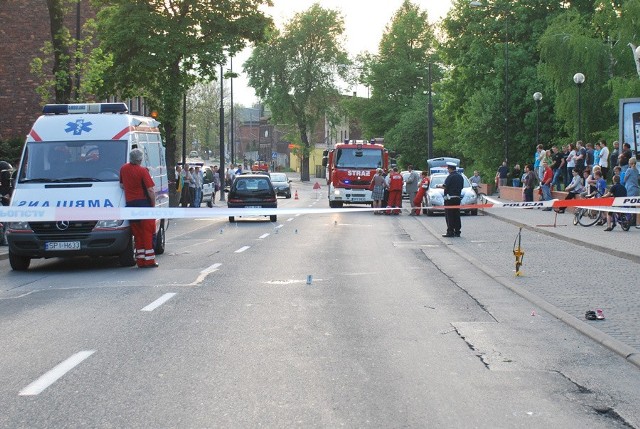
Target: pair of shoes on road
(609, 228)
(594, 315)
(601, 222)
(455, 234)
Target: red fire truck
(350, 167)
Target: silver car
(434, 197)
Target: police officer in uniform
(453, 185)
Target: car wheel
(474, 212)
(128, 257)
(160, 240)
(288, 195)
(428, 212)
(210, 202)
(19, 263)
(232, 219)
(273, 218)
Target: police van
(72, 158)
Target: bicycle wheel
(588, 217)
(625, 221)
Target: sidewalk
(616, 243)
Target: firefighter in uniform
(395, 191)
(139, 192)
(453, 185)
(422, 190)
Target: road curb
(629, 353)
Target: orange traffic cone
(296, 197)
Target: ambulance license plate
(62, 245)
(358, 197)
(252, 207)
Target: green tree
(398, 72)
(69, 69)
(478, 119)
(161, 48)
(295, 72)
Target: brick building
(24, 28)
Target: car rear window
(252, 184)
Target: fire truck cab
(350, 167)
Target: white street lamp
(578, 78)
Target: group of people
(387, 190)
(190, 182)
(387, 193)
(582, 170)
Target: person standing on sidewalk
(545, 183)
(139, 191)
(412, 185)
(604, 159)
(502, 175)
(453, 185)
(422, 190)
(529, 183)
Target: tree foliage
(396, 76)
(295, 72)
(161, 48)
(68, 69)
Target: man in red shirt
(545, 183)
(139, 192)
(395, 191)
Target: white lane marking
(264, 235)
(242, 249)
(279, 226)
(158, 302)
(298, 214)
(290, 219)
(204, 273)
(54, 374)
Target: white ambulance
(72, 158)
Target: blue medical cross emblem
(78, 127)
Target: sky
(365, 22)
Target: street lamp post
(231, 120)
(506, 74)
(578, 78)
(430, 121)
(537, 97)
(222, 169)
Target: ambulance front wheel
(128, 257)
(160, 239)
(19, 263)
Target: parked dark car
(281, 183)
(252, 191)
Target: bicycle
(624, 219)
(587, 216)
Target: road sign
(274, 155)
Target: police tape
(47, 214)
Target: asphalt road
(335, 319)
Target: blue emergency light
(63, 109)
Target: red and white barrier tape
(44, 214)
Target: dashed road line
(290, 219)
(54, 374)
(264, 236)
(242, 249)
(158, 302)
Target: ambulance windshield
(354, 158)
(86, 161)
